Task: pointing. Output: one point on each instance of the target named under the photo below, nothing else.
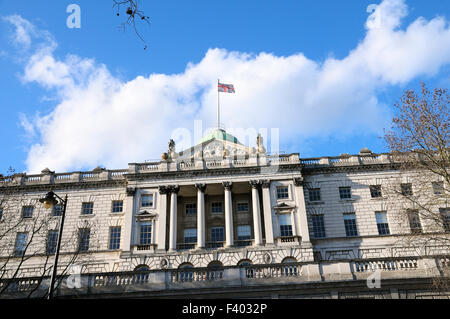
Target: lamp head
(49, 200)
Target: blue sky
(253, 44)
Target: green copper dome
(220, 134)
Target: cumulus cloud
(102, 120)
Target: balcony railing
(231, 276)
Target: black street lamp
(49, 201)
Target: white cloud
(103, 120)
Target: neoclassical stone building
(224, 220)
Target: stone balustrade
(153, 167)
(236, 276)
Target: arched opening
(185, 273)
(142, 274)
(215, 270)
(291, 267)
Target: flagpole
(218, 104)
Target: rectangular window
(345, 192)
(84, 235)
(285, 225)
(242, 207)
(314, 194)
(27, 211)
(190, 235)
(21, 244)
(438, 188)
(216, 207)
(244, 232)
(282, 192)
(406, 189)
(414, 221)
(147, 200)
(57, 210)
(375, 191)
(382, 223)
(445, 213)
(318, 226)
(114, 237)
(87, 208)
(145, 234)
(1, 213)
(191, 209)
(217, 234)
(117, 206)
(350, 225)
(52, 241)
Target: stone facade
(230, 206)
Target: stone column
(200, 215)
(173, 218)
(301, 209)
(162, 218)
(256, 213)
(129, 214)
(267, 208)
(228, 214)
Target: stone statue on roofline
(260, 144)
(172, 153)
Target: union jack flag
(227, 88)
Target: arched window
(215, 270)
(249, 272)
(142, 274)
(291, 268)
(185, 273)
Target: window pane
(375, 191)
(145, 235)
(284, 219)
(57, 210)
(87, 208)
(242, 207)
(345, 192)
(191, 209)
(445, 213)
(282, 192)
(217, 234)
(350, 225)
(382, 223)
(114, 237)
(147, 200)
(438, 188)
(216, 207)
(27, 211)
(52, 241)
(244, 232)
(314, 194)
(414, 221)
(21, 243)
(83, 239)
(117, 206)
(318, 226)
(190, 235)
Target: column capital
(174, 189)
(131, 191)
(265, 183)
(298, 181)
(254, 184)
(227, 185)
(201, 187)
(163, 190)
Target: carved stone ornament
(267, 258)
(174, 189)
(260, 144)
(298, 181)
(227, 185)
(201, 187)
(131, 191)
(163, 190)
(164, 264)
(254, 183)
(265, 183)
